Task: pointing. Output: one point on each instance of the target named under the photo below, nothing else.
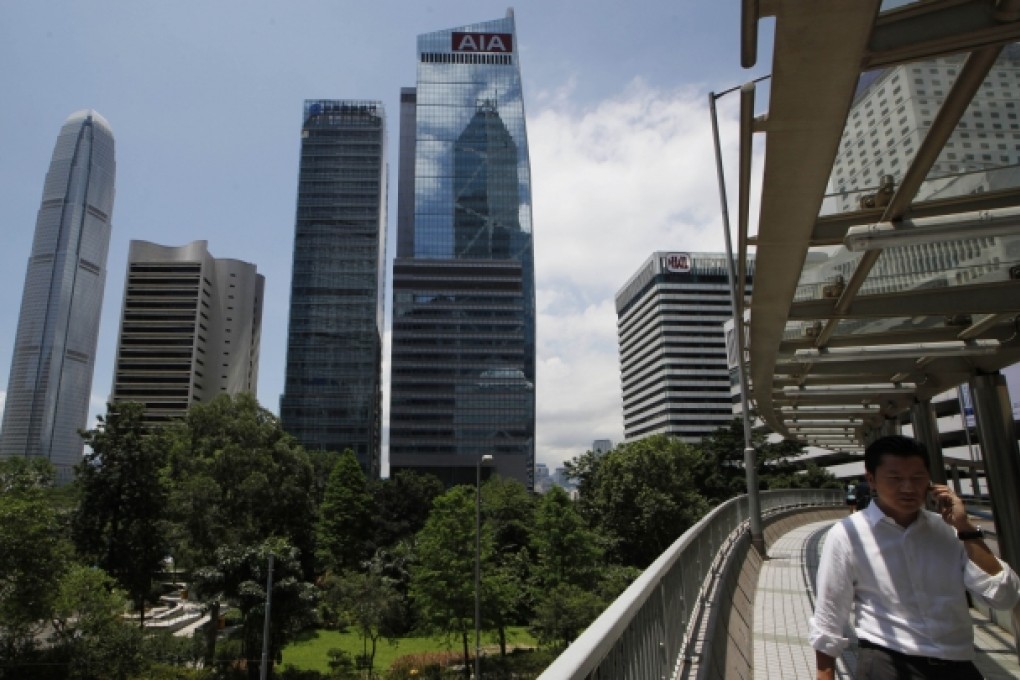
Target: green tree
(643, 496)
(396, 564)
(240, 576)
(90, 637)
(583, 471)
(721, 474)
(366, 600)
(120, 522)
(563, 611)
(21, 474)
(323, 463)
(402, 505)
(442, 584)
(508, 511)
(344, 529)
(505, 597)
(566, 550)
(236, 479)
(810, 477)
(33, 553)
(566, 573)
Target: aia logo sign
(502, 43)
(678, 262)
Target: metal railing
(646, 632)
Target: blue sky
(205, 96)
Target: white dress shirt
(905, 586)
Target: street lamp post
(478, 561)
(737, 280)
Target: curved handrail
(611, 647)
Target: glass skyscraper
(332, 396)
(50, 384)
(463, 351)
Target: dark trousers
(879, 663)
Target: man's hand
(954, 513)
(951, 507)
(826, 666)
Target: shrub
(164, 672)
(291, 673)
(423, 666)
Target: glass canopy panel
(944, 264)
(892, 114)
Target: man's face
(901, 485)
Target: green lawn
(309, 651)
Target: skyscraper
(50, 383)
(190, 329)
(670, 317)
(463, 351)
(332, 397)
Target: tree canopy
(344, 531)
(643, 496)
(120, 521)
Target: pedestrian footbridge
(712, 607)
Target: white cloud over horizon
(612, 183)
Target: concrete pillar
(926, 430)
(1002, 459)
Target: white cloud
(97, 407)
(612, 184)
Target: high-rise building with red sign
(673, 363)
(463, 350)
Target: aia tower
(463, 343)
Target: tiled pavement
(784, 601)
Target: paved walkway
(784, 601)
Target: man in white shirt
(903, 571)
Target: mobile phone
(942, 503)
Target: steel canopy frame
(818, 57)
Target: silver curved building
(190, 329)
(58, 327)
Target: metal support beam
(1002, 459)
(994, 415)
(889, 427)
(926, 430)
(967, 83)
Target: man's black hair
(894, 445)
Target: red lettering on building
(483, 42)
(678, 262)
